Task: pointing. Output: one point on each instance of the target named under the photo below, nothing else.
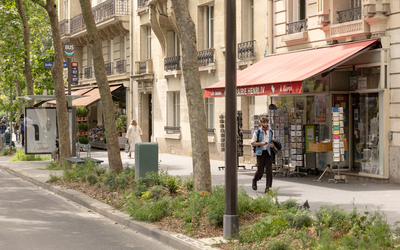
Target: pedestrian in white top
(133, 136)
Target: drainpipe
(131, 58)
(270, 35)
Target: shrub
(149, 211)
(216, 205)
(288, 204)
(329, 217)
(278, 244)
(19, 155)
(54, 165)
(53, 178)
(6, 151)
(267, 226)
(298, 218)
(188, 182)
(195, 204)
(263, 205)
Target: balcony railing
(88, 72)
(143, 3)
(121, 66)
(296, 27)
(345, 16)
(142, 67)
(109, 68)
(246, 50)
(172, 63)
(101, 12)
(64, 27)
(205, 57)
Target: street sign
(48, 64)
(75, 73)
(65, 65)
(69, 48)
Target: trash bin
(146, 158)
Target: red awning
(284, 73)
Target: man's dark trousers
(264, 161)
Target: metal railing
(121, 66)
(246, 50)
(109, 68)
(296, 27)
(142, 67)
(349, 15)
(142, 3)
(172, 63)
(64, 27)
(211, 131)
(101, 12)
(205, 57)
(170, 129)
(88, 72)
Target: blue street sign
(65, 65)
(48, 64)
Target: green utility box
(146, 158)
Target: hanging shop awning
(92, 97)
(284, 73)
(77, 93)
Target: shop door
(341, 100)
(366, 133)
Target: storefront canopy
(284, 73)
(91, 97)
(74, 93)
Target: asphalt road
(33, 218)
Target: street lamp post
(231, 217)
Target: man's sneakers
(254, 186)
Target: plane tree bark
(27, 71)
(197, 118)
(58, 81)
(114, 156)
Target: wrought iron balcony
(205, 57)
(64, 27)
(88, 72)
(349, 15)
(296, 27)
(121, 66)
(246, 50)
(143, 3)
(109, 68)
(172, 63)
(101, 12)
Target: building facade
(143, 53)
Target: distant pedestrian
(261, 139)
(4, 119)
(16, 131)
(22, 127)
(55, 153)
(3, 128)
(133, 136)
(7, 135)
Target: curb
(175, 240)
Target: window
(252, 109)
(298, 10)
(251, 20)
(206, 27)
(123, 48)
(355, 4)
(111, 51)
(247, 20)
(89, 57)
(209, 108)
(173, 44)
(174, 106)
(148, 42)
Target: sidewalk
(364, 195)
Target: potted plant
(84, 139)
(78, 113)
(84, 113)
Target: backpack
(258, 138)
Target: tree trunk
(57, 73)
(27, 70)
(114, 153)
(19, 93)
(197, 117)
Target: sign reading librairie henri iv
(69, 48)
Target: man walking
(262, 141)
(3, 128)
(22, 126)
